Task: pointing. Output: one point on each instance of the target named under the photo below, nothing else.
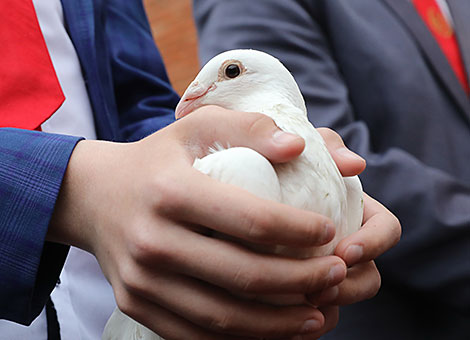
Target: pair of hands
(142, 210)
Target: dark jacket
(371, 70)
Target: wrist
(72, 220)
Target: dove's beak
(190, 100)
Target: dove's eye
(232, 71)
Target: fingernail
(345, 152)
(282, 137)
(310, 326)
(329, 232)
(336, 274)
(353, 254)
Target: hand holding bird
(252, 81)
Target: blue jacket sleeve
(32, 165)
(144, 97)
(433, 205)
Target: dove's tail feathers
(355, 199)
(122, 327)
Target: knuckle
(258, 122)
(258, 223)
(312, 283)
(259, 230)
(329, 135)
(318, 279)
(247, 282)
(140, 247)
(317, 232)
(129, 278)
(222, 321)
(145, 248)
(124, 302)
(167, 195)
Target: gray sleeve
(434, 208)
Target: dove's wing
(122, 327)
(244, 168)
(241, 167)
(312, 181)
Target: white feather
(258, 176)
(120, 326)
(311, 182)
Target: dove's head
(242, 80)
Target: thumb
(214, 124)
(348, 162)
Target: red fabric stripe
(29, 89)
(445, 36)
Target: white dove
(253, 81)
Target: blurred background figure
(392, 77)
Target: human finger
(362, 282)
(233, 128)
(331, 315)
(380, 231)
(168, 325)
(210, 310)
(201, 200)
(231, 265)
(348, 162)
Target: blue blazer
(372, 70)
(131, 97)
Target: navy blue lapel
(431, 50)
(88, 38)
(460, 10)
